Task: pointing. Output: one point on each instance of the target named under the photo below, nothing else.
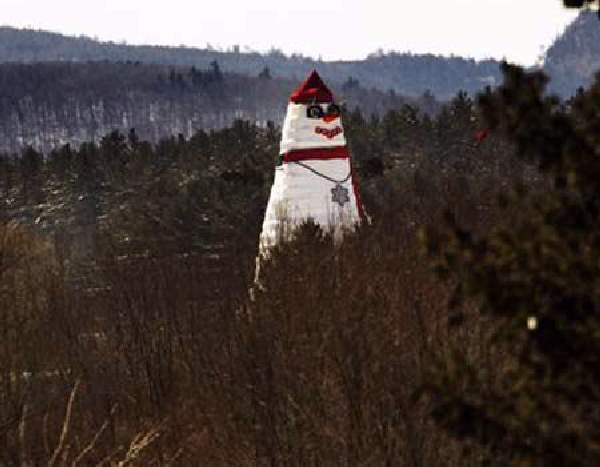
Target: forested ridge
(570, 61)
(574, 57)
(56, 89)
(405, 73)
(46, 105)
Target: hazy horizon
(335, 30)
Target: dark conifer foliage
(579, 3)
(534, 277)
(122, 179)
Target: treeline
(46, 105)
(405, 73)
(123, 170)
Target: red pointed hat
(312, 90)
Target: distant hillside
(574, 57)
(406, 74)
(49, 104)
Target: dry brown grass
(166, 361)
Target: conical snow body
(313, 179)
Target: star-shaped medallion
(339, 195)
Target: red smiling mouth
(329, 133)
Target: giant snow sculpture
(313, 177)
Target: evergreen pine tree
(535, 278)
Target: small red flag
(481, 136)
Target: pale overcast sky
(333, 29)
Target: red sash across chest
(340, 152)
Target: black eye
(334, 110)
(314, 111)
